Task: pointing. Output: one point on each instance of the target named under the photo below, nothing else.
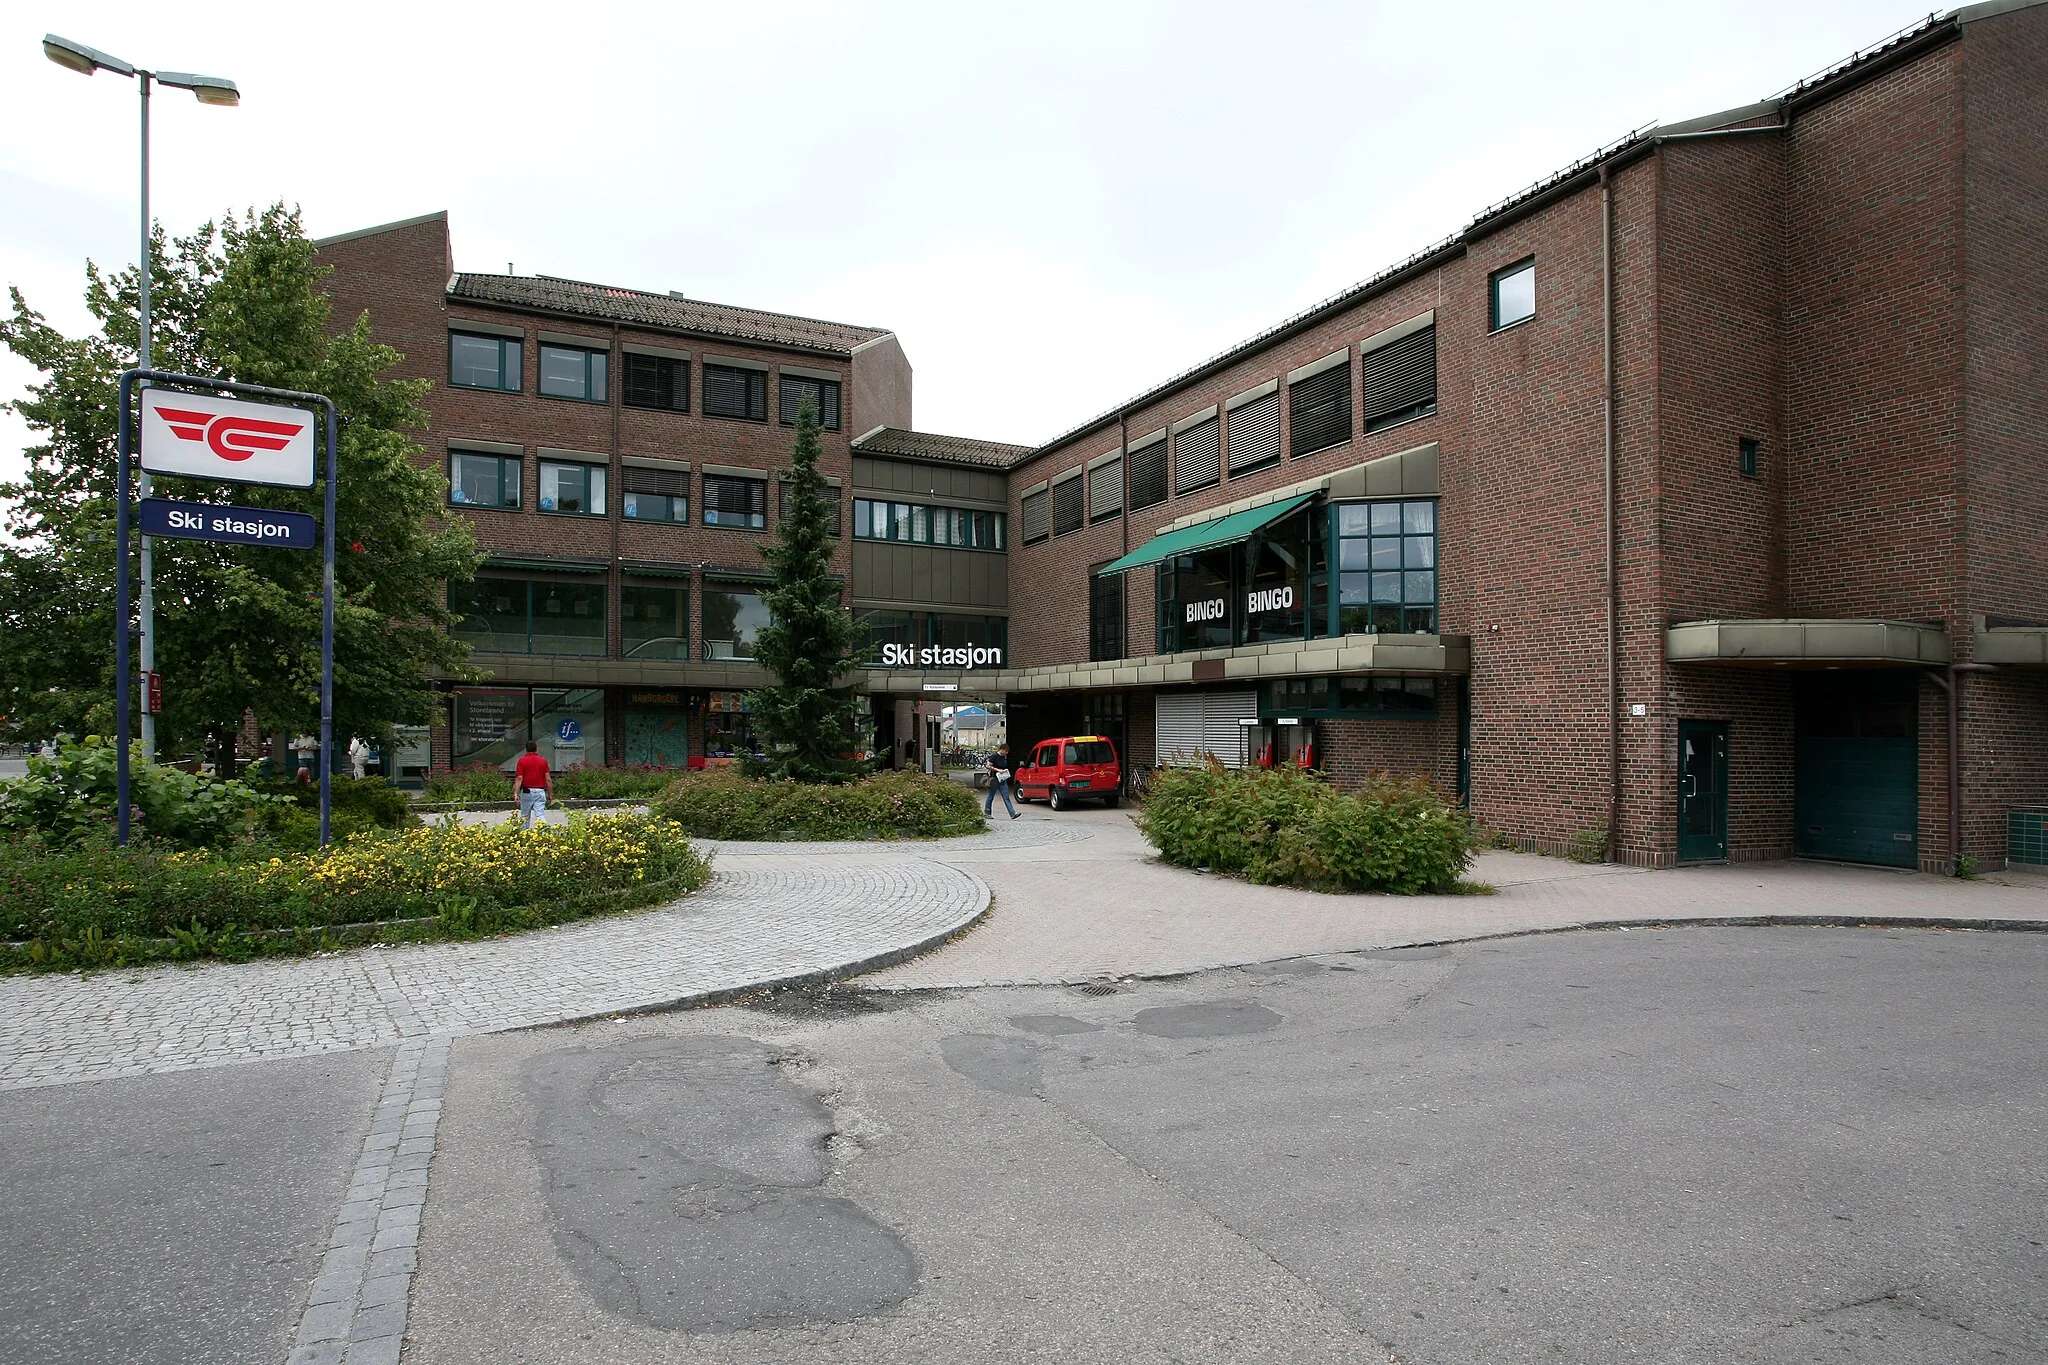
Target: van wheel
(1058, 797)
(1109, 801)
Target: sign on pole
(204, 437)
(229, 525)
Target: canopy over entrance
(1207, 535)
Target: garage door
(1856, 779)
(1191, 724)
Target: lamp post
(208, 90)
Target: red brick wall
(1354, 749)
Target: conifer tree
(809, 718)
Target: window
(878, 628)
(955, 527)
(1386, 562)
(821, 394)
(1319, 409)
(530, 616)
(728, 728)
(1106, 490)
(1066, 506)
(1399, 380)
(1089, 751)
(1513, 295)
(572, 372)
(572, 488)
(1255, 434)
(736, 393)
(1376, 695)
(734, 501)
(479, 480)
(655, 494)
(654, 623)
(967, 632)
(733, 618)
(483, 362)
(1194, 600)
(656, 381)
(828, 492)
(1197, 457)
(1105, 616)
(1034, 509)
(1747, 456)
(1148, 475)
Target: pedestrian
(534, 783)
(999, 781)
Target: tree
(238, 626)
(809, 719)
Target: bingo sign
(224, 439)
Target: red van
(1069, 769)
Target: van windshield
(1091, 751)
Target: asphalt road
(1771, 1145)
(164, 1220)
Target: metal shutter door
(1178, 729)
(1197, 457)
(1106, 489)
(1255, 434)
(1400, 379)
(1221, 733)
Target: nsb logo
(229, 436)
(202, 436)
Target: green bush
(472, 782)
(723, 804)
(361, 805)
(90, 904)
(632, 783)
(72, 796)
(1283, 825)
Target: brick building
(1689, 501)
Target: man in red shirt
(534, 784)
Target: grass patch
(723, 804)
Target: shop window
(1319, 410)
(733, 620)
(654, 623)
(735, 393)
(479, 480)
(1273, 582)
(528, 616)
(655, 494)
(573, 372)
(569, 726)
(483, 362)
(1512, 295)
(739, 503)
(821, 394)
(655, 381)
(490, 725)
(576, 489)
(1066, 506)
(1194, 601)
(728, 729)
(1386, 567)
(1148, 475)
(1105, 616)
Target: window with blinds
(821, 394)
(741, 503)
(1035, 517)
(1106, 490)
(1255, 434)
(1148, 475)
(1198, 457)
(1066, 506)
(736, 393)
(656, 494)
(657, 381)
(1319, 410)
(1399, 380)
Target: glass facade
(1375, 695)
(733, 618)
(529, 616)
(569, 725)
(654, 623)
(1386, 567)
(728, 728)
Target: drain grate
(1098, 988)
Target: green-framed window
(912, 523)
(654, 622)
(575, 489)
(476, 361)
(1511, 295)
(1385, 562)
(734, 616)
(574, 372)
(1375, 695)
(478, 479)
(505, 615)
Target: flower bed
(90, 904)
(1283, 825)
(726, 805)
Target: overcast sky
(1054, 205)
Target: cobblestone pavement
(1104, 907)
(762, 919)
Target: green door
(1702, 790)
(1856, 769)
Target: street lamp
(207, 90)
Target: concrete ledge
(2021, 645)
(1788, 642)
(1441, 655)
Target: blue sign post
(240, 525)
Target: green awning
(1207, 535)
